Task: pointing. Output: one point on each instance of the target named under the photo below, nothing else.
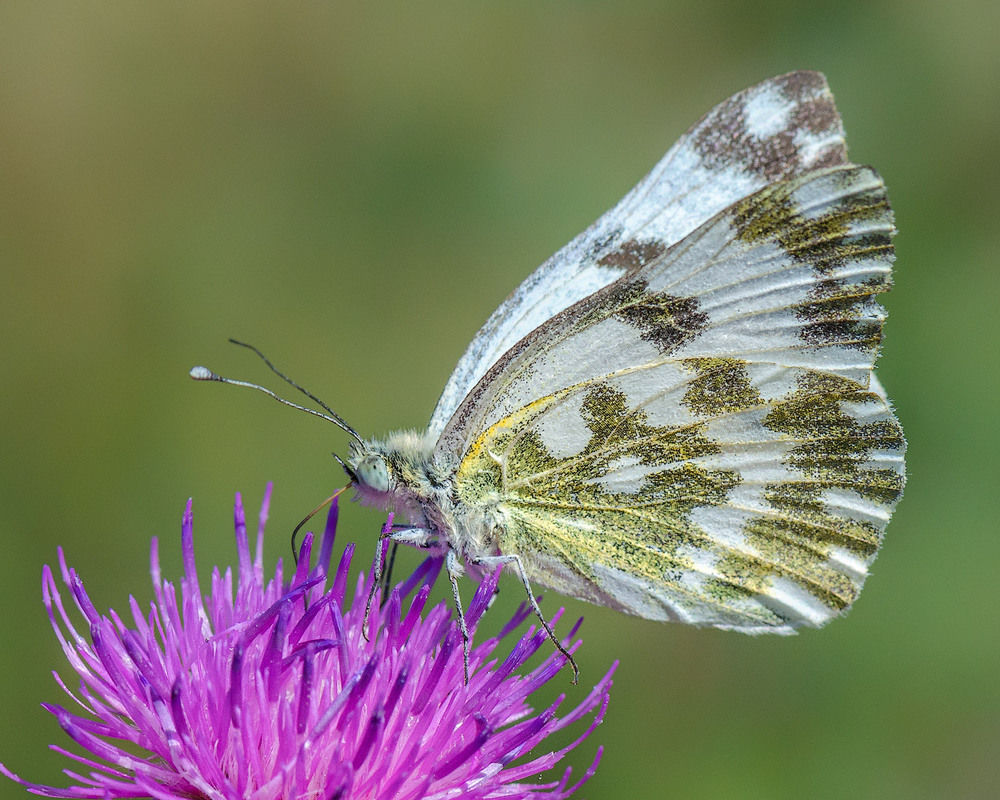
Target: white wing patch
(767, 112)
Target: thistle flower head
(262, 689)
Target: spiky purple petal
(262, 690)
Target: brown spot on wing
(723, 140)
(633, 254)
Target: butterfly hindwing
(775, 130)
(702, 439)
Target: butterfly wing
(703, 440)
(779, 128)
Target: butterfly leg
(387, 577)
(415, 537)
(454, 568)
(491, 562)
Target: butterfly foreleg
(387, 575)
(404, 534)
(454, 567)
(492, 562)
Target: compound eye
(373, 472)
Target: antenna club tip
(201, 373)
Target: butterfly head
(384, 472)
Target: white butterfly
(676, 415)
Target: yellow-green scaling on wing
(703, 440)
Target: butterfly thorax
(402, 473)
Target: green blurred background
(354, 188)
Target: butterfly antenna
(334, 416)
(205, 374)
(309, 516)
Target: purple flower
(272, 691)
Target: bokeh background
(354, 188)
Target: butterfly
(676, 415)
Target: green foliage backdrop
(354, 188)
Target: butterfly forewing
(780, 128)
(702, 440)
